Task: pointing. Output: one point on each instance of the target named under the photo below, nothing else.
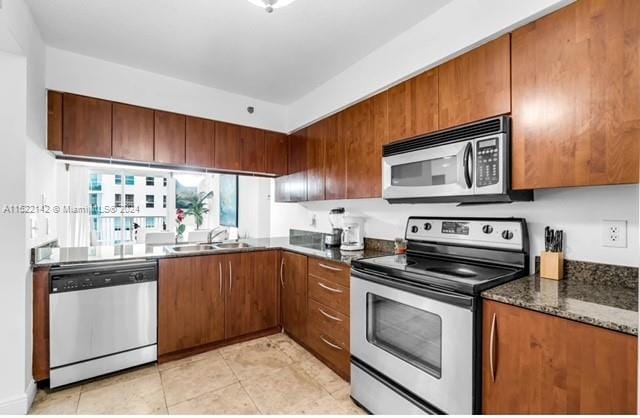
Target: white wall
(456, 27)
(71, 72)
(578, 211)
(27, 174)
(254, 217)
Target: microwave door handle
(468, 172)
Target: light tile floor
(269, 375)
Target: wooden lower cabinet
(534, 363)
(293, 282)
(191, 302)
(208, 299)
(252, 292)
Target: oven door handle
(468, 173)
(441, 295)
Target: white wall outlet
(614, 234)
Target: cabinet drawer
(328, 270)
(329, 294)
(330, 350)
(329, 322)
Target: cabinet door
(402, 110)
(132, 132)
(316, 136)
(169, 139)
(252, 293)
(228, 148)
(476, 85)
(253, 151)
(426, 97)
(364, 129)
(86, 126)
(54, 120)
(293, 280)
(297, 179)
(200, 142)
(276, 151)
(534, 363)
(335, 167)
(191, 300)
(576, 121)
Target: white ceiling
(231, 44)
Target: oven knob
(138, 276)
(487, 229)
(506, 234)
(414, 229)
(427, 226)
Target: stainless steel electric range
(416, 318)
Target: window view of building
(164, 201)
(150, 181)
(129, 180)
(150, 201)
(118, 199)
(118, 179)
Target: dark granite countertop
(49, 256)
(606, 303)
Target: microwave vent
(461, 133)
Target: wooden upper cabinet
(276, 151)
(297, 178)
(54, 121)
(86, 126)
(200, 142)
(169, 138)
(228, 148)
(335, 160)
(534, 363)
(413, 106)
(576, 100)
(132, 133)
(316, 136)
(364, 128)
(253, 150)
(402, 110)
(475, 85)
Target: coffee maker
(336, 219)
(352, 234)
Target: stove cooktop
(465, 277)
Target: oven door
(445, 170)
(422, 339)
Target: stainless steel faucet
(215, 232)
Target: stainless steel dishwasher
(102, 318)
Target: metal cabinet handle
(335, 318)
(330, 289)
(220, 269)
(330, 344)
(324, 266)
(230, 276)
(492, 348)
(282, 271)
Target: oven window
(408, 333)
(436, 172)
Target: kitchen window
(150, 201)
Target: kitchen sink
(228, 245)
(188, 248)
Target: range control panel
(70, 279)
(502, 233)
(487, 165)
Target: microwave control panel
(487, 169)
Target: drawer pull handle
(330, 344)
(330, 289)
(335, 318)
(324, 266)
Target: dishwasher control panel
(91, 276)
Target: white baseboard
(19, 405)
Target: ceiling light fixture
(270, 5)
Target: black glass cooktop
(455, 275)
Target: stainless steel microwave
(466, 164)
